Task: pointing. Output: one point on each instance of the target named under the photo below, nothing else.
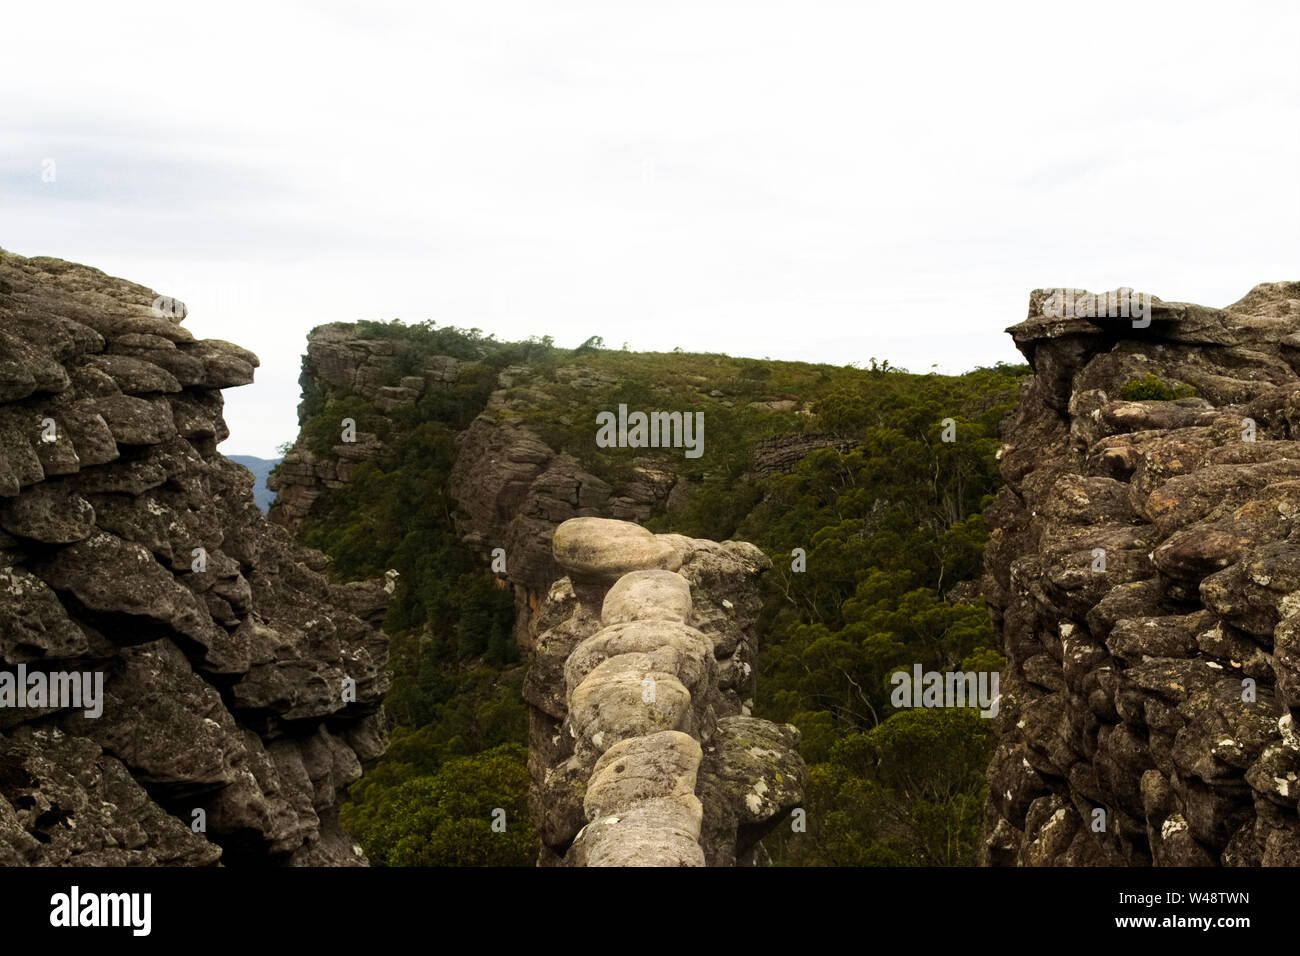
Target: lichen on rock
(1142, 570)
(636, 728)
(242, 689)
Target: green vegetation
(413, 815)
(889, 526)
(455, 697)
(744, 401)
(908, 792)
(1150, 388)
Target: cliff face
(341, 362)
(1144, 572)
(510, 487)
(240, 689)
(609, 611)
(641, 748)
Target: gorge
(642, 674)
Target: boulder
(603, 550)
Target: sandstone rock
(681, 650)
(642, 805)
(613, 841)
(750, 779)
(610, 705)
(603, 550)
(647, 595)
(25, 369)
(33, 624)
(134, 376)
(66, 802)
(108, 577)
(1149, 680)
(50, 515)
(643, 769)
(615, 755)
(202, 666)
(134, 421)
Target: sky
(809, 180)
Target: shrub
(1150, 388)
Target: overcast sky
(801, 180)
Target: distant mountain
(260, 467)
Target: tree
(446, 818)
(909, 792)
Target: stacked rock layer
(1144, 572)
(340, 362)
(643, 753)
(241, 690)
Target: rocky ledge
(642, 751)
(1144, 572)
(241, 690)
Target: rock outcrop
(511, 488)
(340, 361)
(514, 490)
(782, 454)
(1144, 572)
(241, 690)
(642, 751)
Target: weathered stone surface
(611, 703)
(129, 548)
(134, 421)
(615, 755)
(676, 648)
(603, 550)
(108, 577)
(50, 515)
(643, 769)
(750, 779)
(132, 376)
(642, 805)
(645, 596)
(640, 839)
(1144, 571)
(66, 802)
(33, 624)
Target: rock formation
(512, 488)
(689, 777)
(782, 454)
(642, 751)
(1144, 572)
(340, 362)
(241, 690)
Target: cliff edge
(238, 690)
(1144, 573)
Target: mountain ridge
(261, 469)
